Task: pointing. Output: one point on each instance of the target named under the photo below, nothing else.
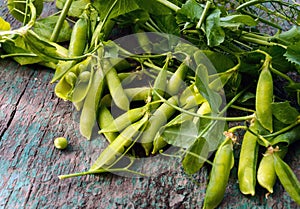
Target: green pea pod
(157, 120)
(116, 90)
(222, 164)
(90, 106)
(177, 80)
(137, 94)
(125, 119)
(264, 98)
(248, 161)
(81, 88)
(71, 78)
(190, 98)
(266, 176)
(160, 83)
(288, 137)
(287, 178)
(79, 37)
(117, 147)
(104, 120)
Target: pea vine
(174, 74)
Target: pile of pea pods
(172, 84)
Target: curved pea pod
(117, 147)
(65, 86)
(125, 119)
(264, 98)
(160, 83)
(190, 98)
(248, 161)
(156, 121)
(222, 164)
(116, 90)
(288, 137)
(177, 80)
(104, 120)
(266, 176)
(90, 106)
(82, 86)
(287, 178)
(138, 94)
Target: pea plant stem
(285, 129)
(203, 15)
(286, 77)
(169, 5)
(60, 20)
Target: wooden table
(31, 116)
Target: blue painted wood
(31, 116)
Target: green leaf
(214, 33)
(237, 21)
(135, 17)
(220, 61)
(183, 135)
(167, 24)
(121, 7)
(4, 25)
(291, 36)
(76, 8)
(292, 53)
(202, 84)
(284, 112)
(44, 27)
(191, 11)
(16, 47)
(191, 163)
(153, 7)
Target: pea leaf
(291, 36)
(191, 163)
(214, 33)
(237, 21)
(202, 84)
(18, 46)
(76, 8)
(120, 8)
(284, 112)
(182, 135)
(191, 11)
(4, 25)
(221, 62)
(167, 24)
(44, 27)
(292, 53)
(153, 7)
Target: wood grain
(31, 116)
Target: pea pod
(177, 80)
(266, 176)
(116, 90)
(125, 119)
(264, 98)
(90, 106)
(190, 98)
(82, 87)
(248, 161)
(117, 147)
(287, 178)
(104, 120)
(137, 94)
(222, 164)
(157, 120)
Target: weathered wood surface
(31, 116)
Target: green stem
(60, 20)
(203, 15)
(242, 108)
(283, 130)
(281, 75)
(241, 118)
(245, 37)
(233, 129)
(18, 55)
(170, 5)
